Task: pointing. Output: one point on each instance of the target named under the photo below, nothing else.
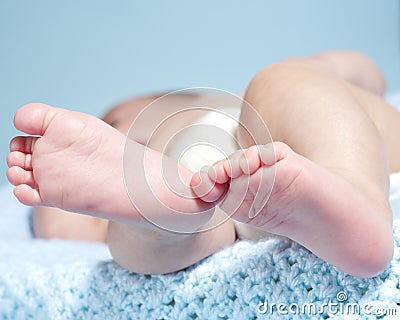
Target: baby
(322, 181)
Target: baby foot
(275, 189)
(74, 161)
(54, 165)
(251, 176)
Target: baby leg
(351, 66)
(331, 168)
(342, 157)
(51, 223)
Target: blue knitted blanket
(274, 278)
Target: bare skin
(49, 222)
(304, 218)
(34, 161)
(312, 152)
(323, 179)
(354, 67)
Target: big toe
(205, 188)
(33, 118)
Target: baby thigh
(318, 115)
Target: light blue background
(88, 55)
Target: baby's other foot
(250, 174)
(277, 190)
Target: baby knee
(284, 81)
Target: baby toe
(27, 195)
(33, 118)
(274, 152)
(232, 165)
(16, 175)
(250, 161)
(20, 159)
(201, 183)
(267, 154)
(23, 144)
(218, 173)
(205, 188)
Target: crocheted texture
(75, 280)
